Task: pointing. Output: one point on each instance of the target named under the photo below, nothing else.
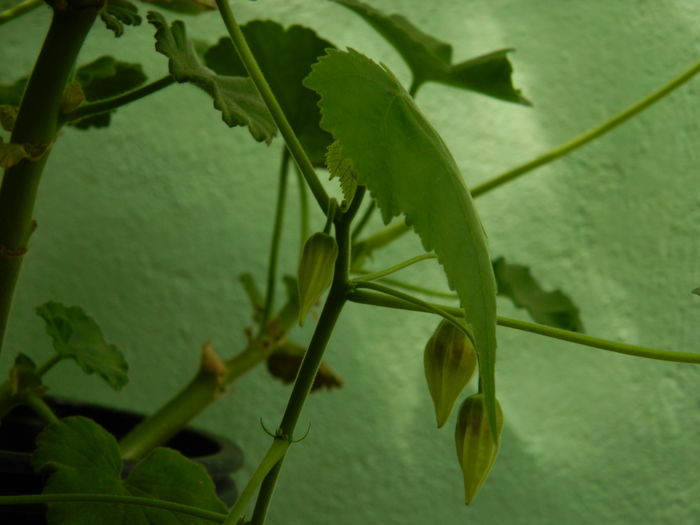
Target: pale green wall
(148, 223)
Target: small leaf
(551, 308)
(340, 166)
(285, 58)
(186, 7)
(406, 166)
(430, 59)
(236, 97)
(104, 78)
(284, 362)
(76, 335)
(315, 270)
(696, 291)
(84, 458)
(117, 13)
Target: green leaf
(76, 335)
(551, 308)
(119, 12)
(340, 166)
(406, 166)
(85, 458)
(104, 78)
(430, 59)
(285, 58)
(236, 97)
(696, 291)
(185, 7)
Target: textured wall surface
(148, 223)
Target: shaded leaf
(406, 166)
(187, 7)
(117, 13)
(284, 362)
(340, 166)
(285, 57)
(431, 59)
(551, 308)
(84, 458)
(236, 97)
(104, 78)
(696, 291)
(76, 335)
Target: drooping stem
(19, 10)
(110, 104)
(272, 458)
(589, 135)
(251, 65)
(393, 269)
(113, 498)
(275, 242)
(40, 407)
(380, 299)
(37, 124)
(314, 354)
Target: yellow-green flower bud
(315, 270)
(476, 446)
(449, 361)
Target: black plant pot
(20, 427)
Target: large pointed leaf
(84, 458)
(551, 308)
(76, 335)
(285, 57)
(406, 166)
(236, 97)
(430, 59)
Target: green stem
(393, 269)
(113, 498)
(40, 407)
(19, 10)
(274, 454)
(37, 124)
(420, 289)
(251, 65)
(380, 239)
(419, 303)
(357, 230)
(314, 354)
(48, 365)
(207, 386)
(590, 135)
(557, 333)
(276, 235)
(103, 106)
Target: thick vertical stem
(36, 126)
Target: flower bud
(476, 446)
(449, 361)
(315, 270)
